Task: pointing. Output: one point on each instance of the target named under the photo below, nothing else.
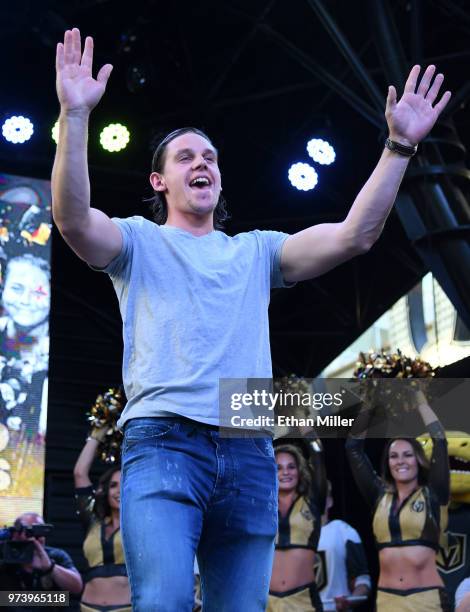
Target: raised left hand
(413, 116)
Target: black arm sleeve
(61, 557)
(367, 479)
(85, 502)
(356, 561)
(439, 479)
(319, 483)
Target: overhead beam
(388, 42)
(348, 53)
(236, 101)
(461, 97)
(416, 18)
(367, 111)
(239, 50)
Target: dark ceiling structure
(261, 78)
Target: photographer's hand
(55, 576)
(41, 560)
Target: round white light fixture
(303, 176)
(114, 137)
(55, 132)
(17, 129)
(321, 151)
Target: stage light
(114, 137)
(321, 151)
(55, 132)
(17, 129)
(303, 176)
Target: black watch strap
(399, 148)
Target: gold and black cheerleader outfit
(104, 556)
(420, 520)
(300, 528)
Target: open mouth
(201, 182)
(459, 465)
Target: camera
(20, 551)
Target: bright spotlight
(303, 176)
(321, 151)
(17, 129)
(114, 137)
(55, 132)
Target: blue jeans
(186, 490)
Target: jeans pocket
(147, 429)
(263, 446)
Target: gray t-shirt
(462, 590)
(194, 310)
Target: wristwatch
(401, 149)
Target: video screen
(25, 285)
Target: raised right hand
(99, 433)
(77, 90)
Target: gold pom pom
(393, 396)
(392, 365)
(104, 414)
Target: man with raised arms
(194, 303)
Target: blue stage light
(303, 176)
(321, 151)
(17, 129)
